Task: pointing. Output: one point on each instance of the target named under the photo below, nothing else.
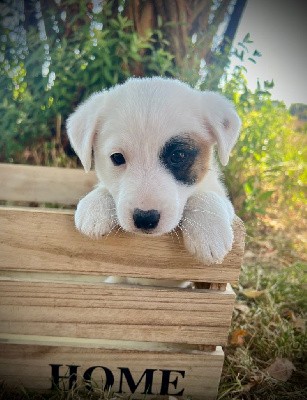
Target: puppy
(153, 140)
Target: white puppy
(153, 149)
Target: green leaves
(256, 198)
(247, 38)
(78, 60)
(245, 51)
(266, 168)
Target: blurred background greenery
(55, 53)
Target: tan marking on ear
(203, 159)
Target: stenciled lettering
(109, 381)
(165, 382)
(125, 372)
(71, 375)
(167, 379)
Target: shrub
(267, 164)
(43, 77)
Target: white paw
(96, 215)
(206, 227)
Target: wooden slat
(29, 365)
(120, 312)
(53, 310)
(46, 241)
(44, 184)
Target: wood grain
(56, 309)
(44, 184)
(39, 240)
(29, 365)
(120, 312)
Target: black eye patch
(178, 156)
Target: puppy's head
(152, 140)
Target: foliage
(43, 77)
(300, 110)
(267, 164)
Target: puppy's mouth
(158, 231)
(144, 232)
(148, 222)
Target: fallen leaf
(252, 293)
(237, 337)
(281, 369)
(300, 324)
(249, 254)
(243, 308)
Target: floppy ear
(222, 122)
(83, 124)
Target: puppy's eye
(118, 159)
(178, 157)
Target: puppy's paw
(210, 247)
(206, 227)
(96, 215)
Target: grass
(268, 324)
(269, 318)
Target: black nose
(146, 219)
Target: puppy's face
(152, 141)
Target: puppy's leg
(96, 214)
(206, 226)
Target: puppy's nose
(146, 219)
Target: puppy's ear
(222, 122)
(83, 124)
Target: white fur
(137, 119)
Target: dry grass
(77, 393)
(269, 319)
(268, 325)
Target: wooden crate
(62, 324)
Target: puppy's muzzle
(146, 220)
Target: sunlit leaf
(252, 293)
(265, 195)
(237, 337)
